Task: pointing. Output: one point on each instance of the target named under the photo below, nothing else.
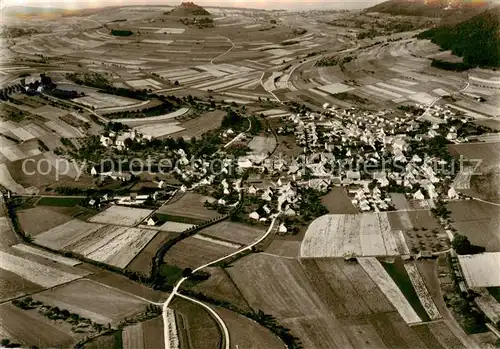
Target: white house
(152, 220)
(452, 194)
(419, 195)
(254, 215)
(282, 228)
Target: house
(419, 195)
(452, 194)
(252, 190)
(353, 176)
(254, 215)
(93, 171)
(282, 228)
(106, 141)
(153, 220)
(451, 136)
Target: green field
(398, 273)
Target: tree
(461, 244)
(5, 342)
(187, 272)
(128, 142)
(176, 83)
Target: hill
(430, 8)
(477, 40)
(187, 9)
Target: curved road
(181, 281)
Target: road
(181, 281)
(437, 99)
(224, 53)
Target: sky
(266, 4)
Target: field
(193, 252)
(190, 206)
(114, 245)
(478, 221)
(330, 303)
(66, 234)
(195, 325)
(477, 269)
(144, 335)
(373, 268)
(142, 261)
(59, 201)
(121, 215)
(45, 254)
(93, 300)
(36, 272)
(248, 334)
(13, 285)
(220, 286)
(366, 234)
(38, 219)
(33, 329)
(337, 202)
(234, 232)
(421, 230)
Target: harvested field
(38, 219)
(93, 300)
(123, 215)
(262, 145)
(285, 248)
(421, 290)
(373, 268)
(220, 286)
(160, 118)
(477, 269)
(175, 227)
(33, 329)
(338, 202)
(190, 205)
(37, 273)
(142, 261)
(234, 232)
(196, 325)
(193, 252)
(13, 286)
(203, 123)
(366, 234)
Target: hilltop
(476, 40)
(429, 8)
(187, 9)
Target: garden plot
(477, 269)
(212, 70)
(421, 290)
(271, 112)
(194, 79)
(7, 181)
(48, 255)
(366, 234)
(381, 91)
(101, 100)
(66, 234)
(90, 299)
(177, 73)
(405, 82)
(119, 214)
(37, 273)
(335, 88)
(151, 119)
(227, 83)
(378, 274)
